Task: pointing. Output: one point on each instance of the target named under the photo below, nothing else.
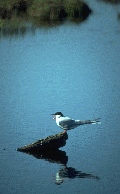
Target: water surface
(73, 69)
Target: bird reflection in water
(70, 173)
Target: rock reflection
(60, 157)
(53, 156)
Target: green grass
(15, 13)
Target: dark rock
(77, 10)
(52, 142)
(86, 11)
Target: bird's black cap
(58, 113)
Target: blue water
(73, 69)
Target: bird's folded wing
(67, 123)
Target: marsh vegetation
(17, 14)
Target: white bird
(67, 124)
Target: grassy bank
(111, 1)
(17, 13)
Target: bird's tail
(95, 121)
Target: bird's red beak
(54, 117)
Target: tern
(67, 124)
